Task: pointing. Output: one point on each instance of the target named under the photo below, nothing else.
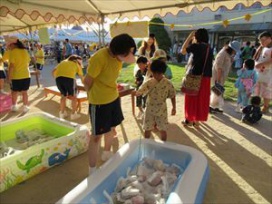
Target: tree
(161, 35)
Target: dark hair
(74, 58)
(256, 100)
(264, 34)
(229, 50)
(66, 39)
(201, 35)
(250, 63)
(19, 45)
(142, 59)
(152, 35)
(122, 44)
(158, 66)
(248, 43)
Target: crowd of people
(152, 80)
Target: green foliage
(139, 44)
(178, 71)
(161, 34)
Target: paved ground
(239, 155)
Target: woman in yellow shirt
(65, 74)
(18, 73)
(39, 57)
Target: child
(139, 78)
(161, 55)
(65, 74)
(158, 89)
(252, 113)
(247, 78)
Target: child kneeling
(252, 113)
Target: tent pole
(103, 30)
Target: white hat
(235, 45)
(159, 54)
(10, 39)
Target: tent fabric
(21, 14)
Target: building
(238, 29)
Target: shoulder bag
(190, 84)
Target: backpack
(248, 83)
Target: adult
(39, 57)
(197, 107)
(65, 74)
(18, 72)
(104, 102)
(148, 47)
(246, 52)
(263, 64)
(221, 68)
(67, 49)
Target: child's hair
(255, 100)
(74, 58)
(158, 66)
(142, 59)
(250, 63)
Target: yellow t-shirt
(104, 69)
(68, 69)
(1, 62)
(6, 56)
(20, 59)
(39, 55)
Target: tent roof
(20, 14)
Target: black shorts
(2, 74)
(66, 86)
(20, 84)
(104, 117)
(39, 66)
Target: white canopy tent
(32, 14)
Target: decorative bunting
(225, 23)
(248, 17)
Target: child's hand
(173, 112)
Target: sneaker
(26, 109)
(63, 115)
(14, 108)
(218, 110)
(106, 155)
(75, 116)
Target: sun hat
(159, 54)
(235, 45)
(10, 39)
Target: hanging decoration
(225, 23)
(248, 17)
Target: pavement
(239, 155)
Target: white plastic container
(189, 188)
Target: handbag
(190, 84)
(218, 89)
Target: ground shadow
(241, 161)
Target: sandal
(186, 123)
(196, 124)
